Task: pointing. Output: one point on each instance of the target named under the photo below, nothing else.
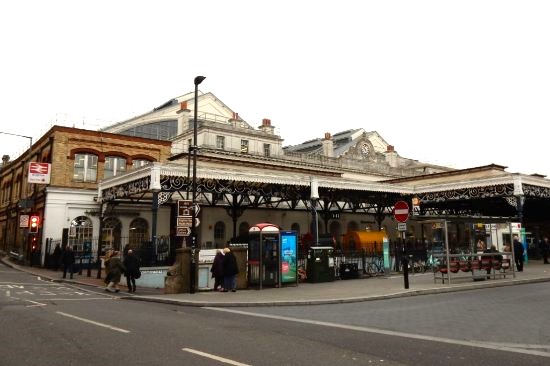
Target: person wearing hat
(114, 269)
(230, 271)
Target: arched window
(110, 237)
(80, 234)
(85, 168)
(219, 233)
(336, 230)
(114, 165)
(295, 227)
(139, 232)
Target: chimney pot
(390, 148)
(183, 105)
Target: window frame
(88, 169)
(244, 146)
(118, 163)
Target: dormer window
(244, 146)
(220, 142)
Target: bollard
(406, 271)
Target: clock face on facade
(365, 149)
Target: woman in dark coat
(56, 257)
(115, 269)
(217, 271)
(131, 263)
(230, 271)
(67, 259)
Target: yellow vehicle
(370, 241)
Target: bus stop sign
(401, 211)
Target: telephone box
(272, 256)
(264, 255)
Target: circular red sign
(401, 211)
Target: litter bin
(320, 264)
(349, 271)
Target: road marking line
(214, 357)
(491, 346)
(93, 322)
(35, 304)
(79, 299)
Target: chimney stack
(234, 119)
(328, 146)
(266, 126)
(391, 156)
(183, 117)
(5, 159)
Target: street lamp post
(14, 134)
(197, 81)
(314, 196)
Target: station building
(122, 184)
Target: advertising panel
(289, 241)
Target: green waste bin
(320, 264)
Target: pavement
(338, 291)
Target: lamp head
(199, 79)
(314, 185)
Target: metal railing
(160, 252)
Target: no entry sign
(401, 211)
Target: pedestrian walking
(230, 270)
(56, 257)
(544, 249)
(67, 259)
(217, 271)
(131, 263)
(518, 254)
(114, 269)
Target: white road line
(484, 345)
(34, 304)
(79, 299)
(93, 322)
(214, 357)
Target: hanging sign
(39, 173)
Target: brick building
(74, 161)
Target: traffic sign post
(401, 211)
(401, 214)
(185, 219)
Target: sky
(456, 83)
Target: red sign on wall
(39, 173)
